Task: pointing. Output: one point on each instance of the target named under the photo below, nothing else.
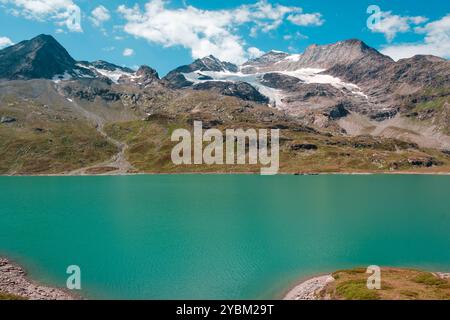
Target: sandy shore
(14, 281)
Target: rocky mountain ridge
(347, 87)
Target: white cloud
(306, 19)
(254, 52)
(390, 24)
(5, 42)
(128, 52)
(204, 32)
(100, 15)
(296, 36)
(436, 41)
(62, 12)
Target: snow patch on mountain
(62, 77)
(293, 58)
(113, 75)
(313, 75)
(306, 75)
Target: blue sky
(166, 34)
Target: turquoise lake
(219, 236)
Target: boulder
(7, 119)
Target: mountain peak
(44, 37)
(425, 58)
(268, 58)
(354, 41)
(210, 57)
(211, 63)
(342, 52)
(41, 57)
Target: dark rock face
(423, 162)
(176, 81)
(241, 90)
(280, 81)
(7, 119)
(304, 146)
(90, 89)
(204, 77)
(39, 58)
(383, 115)
(338, 111)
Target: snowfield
(306, 75)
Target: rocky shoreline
(309, 289)
(14, 282)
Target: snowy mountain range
(342, 106)
(346, 86)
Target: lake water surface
(219, 236)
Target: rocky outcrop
(280, 81)
(176, 79)
(13, 281)
(241, 90)
(303, 146)
(7, 119)
(142, 78)
(338, 111)
(423, 162)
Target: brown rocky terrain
(359, 109)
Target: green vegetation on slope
(7, 296)
(61, 148)
(150, 150)
(396, 284)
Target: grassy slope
(69, 142)
(6, 296)
(432, 106)
(396, 284)
(150, 148)
(46, 141)
(58, 149)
